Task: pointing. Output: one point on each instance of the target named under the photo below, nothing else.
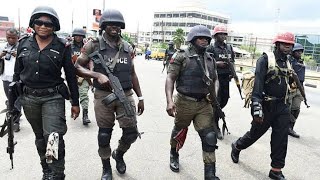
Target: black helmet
(297, 47)
(199, 31)
(79, 32)
(170, 43)
(45, 10)
(111, 15)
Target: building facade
(4, 25)
(165, 23)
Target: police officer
(7, 59)
(295, 96)
(269, 106)
(169, 53)
(78, 35)
(190, 103)
(221, 53)
(39, 61)
(118, 54)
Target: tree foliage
(178, 37)
(126, 37)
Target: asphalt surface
(148, 157)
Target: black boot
(85, 118)
(47, 173)
(174, 160)
(292, 132)
(120, 164)
(58, 176)
(276, 175)
(210, 172)
(106, 169)
(234, 153)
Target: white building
(165, 23)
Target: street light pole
(104, 4)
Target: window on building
(156, 16)
(183, 15)
(210, 18)
(182, 24)
(209, 27)
(225, 21)
(156, 24)
(168, 32)
(162, 15)
(168, 23)
(148, 39)
(220, 20)
(175, 24)
(197, 15)
(175, 15)
(148, 34)
(155, 32)
(204, 17)
(191, 15)
(215, 19)
(169, 15)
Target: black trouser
(276, 115)
(223, 93)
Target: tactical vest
(76, 50)
(170, 52)
(122, 69)
(222, 55)
(299, 68)
(274, 77)
(190, 81)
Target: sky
(262, 17)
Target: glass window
(175, 15)
(197, 15)
(209, 27)
(169, 15)
(210, 18)
(183, 15)
(225, 21)
(220, 20)
(156, 24)
(162, 15)
(190, 15)
(156, 16)
(182, 24)
(215, 19)
(175, 24)
(204, 17)
(168, 32)
(155, 32)
(168, 23)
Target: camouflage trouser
(83, 93)
(46, 115)
(106, 116)
(294, 101)
(200, 113)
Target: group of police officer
(41, 57)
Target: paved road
(148, 157)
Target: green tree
(126, 37)
(178, 38)
(309, 61)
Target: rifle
(234, 74)
(11, 116)
(211, 97)
(117, 91)
(300, 87)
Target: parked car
(158, 53)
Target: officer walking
(269, 106)
(190, 103)
(295, 96)
(221, 52)
(117, 53)
(7, 60)
(39, 61)
(84, 84)
(168, 54)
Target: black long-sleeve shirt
(40, 69)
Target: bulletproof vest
(220, 54)
(122, 69)
(298, 67)
(190, 81)
(76, 50)
(170, 52)
(277, 77)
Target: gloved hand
(257, 112)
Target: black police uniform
(276, 112)
(44, 91)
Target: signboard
(96, 18)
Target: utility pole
(137, 36)
(104, 4)
(19, 21)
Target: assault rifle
(300, 87)
(234, 74)
(211, 97)
(11, 116)
(118, 92)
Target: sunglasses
(45, 23)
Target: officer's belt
(40, 92)
(191, 98)
(272, 98)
